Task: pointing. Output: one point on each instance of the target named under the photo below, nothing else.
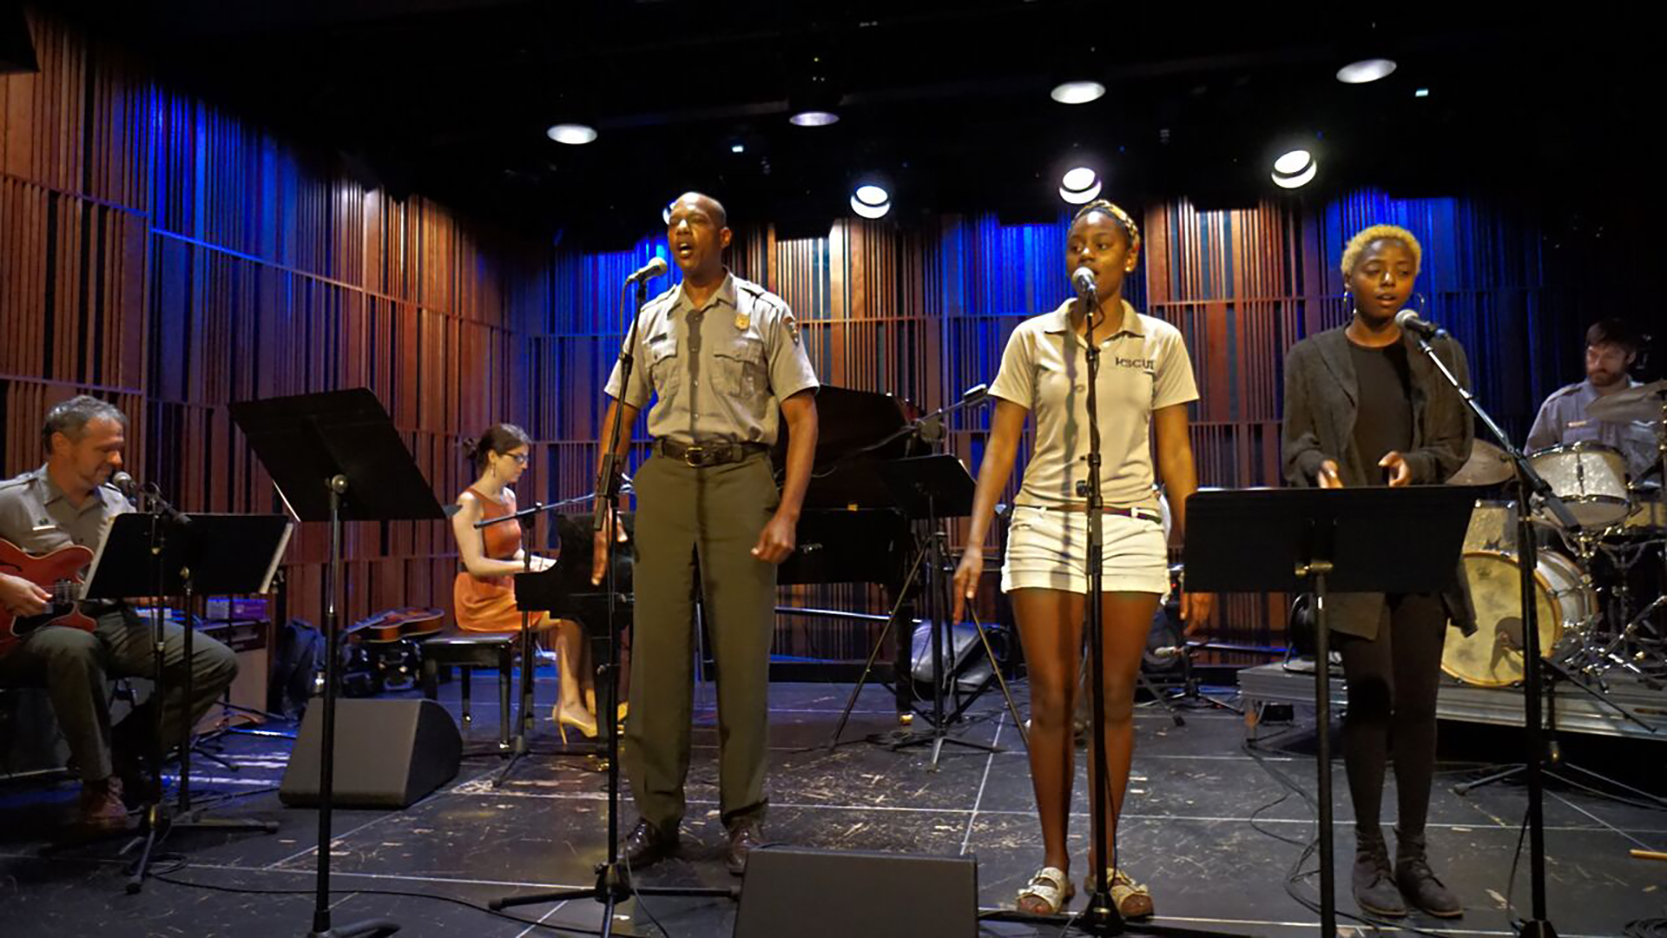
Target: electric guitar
(59, 573)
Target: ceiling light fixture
(1365, 70)
(1080, 185)
(1077, 92)
(871, 201)
(1294, 169)
(571, 134)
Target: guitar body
(58, 573)
(392, 625)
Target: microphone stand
(1102, 915)
(1533, 485)
(158, 822)
(613, 879)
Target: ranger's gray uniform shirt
(35, 515)
(717, 374)
(1563, 419)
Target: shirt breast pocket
(738, 367)
(664, 367)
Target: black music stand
(928, 490)
(187, 556)
(1378, 540)
(334, 457)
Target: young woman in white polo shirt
(1145, 382)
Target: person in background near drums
(1612, 347)
(1363, 406)
(483, 595)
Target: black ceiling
(948, 101)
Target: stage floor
(1207, 827)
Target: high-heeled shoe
(586, 728)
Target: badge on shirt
(742, 321)
(793, 329)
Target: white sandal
(1131, 898)
(1051, 886)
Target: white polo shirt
(1143, 367)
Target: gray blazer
(1321, 402)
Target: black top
(1384, 421)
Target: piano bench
(468, 651)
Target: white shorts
(1048, 549)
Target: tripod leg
(1006, 693)
(862, 681)
(874, 654)
(1161, 698)
(1499, 776)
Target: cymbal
(1487, 465)
(1640, 403)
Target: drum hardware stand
(1553, 758)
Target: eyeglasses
(520, 458)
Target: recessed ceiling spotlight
(813, 119)
(1365, 70)
(1079, 185)
(1294, 169)
(871, 201)
(1077, 92)
(572, 134)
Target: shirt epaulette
(1564, 391)
(16, 481)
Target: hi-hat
(1487, 465)
(1643, 402)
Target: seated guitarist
(65, 503)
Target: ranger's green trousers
(700, 524)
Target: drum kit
(1590, 619)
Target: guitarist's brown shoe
(102, 811)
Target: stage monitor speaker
(838, 894)
(389, 753)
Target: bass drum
(1492, 656)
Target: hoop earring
(1348, 303)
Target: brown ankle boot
(1418, 883)
(1372, 879)
(102, 811)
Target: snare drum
(1492, 655)
(1590, 478)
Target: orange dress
(487, 604)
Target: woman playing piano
(484, 592)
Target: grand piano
(850, 530)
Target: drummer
(1612, 347)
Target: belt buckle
(694, 456)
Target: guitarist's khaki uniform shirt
(35, 515)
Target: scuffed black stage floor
(1189, 834)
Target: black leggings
(1392, 683)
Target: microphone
(648, 271)
(134, 492)
(123, 483)
(975, 394)
(1409, 320)
(1083, 279)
